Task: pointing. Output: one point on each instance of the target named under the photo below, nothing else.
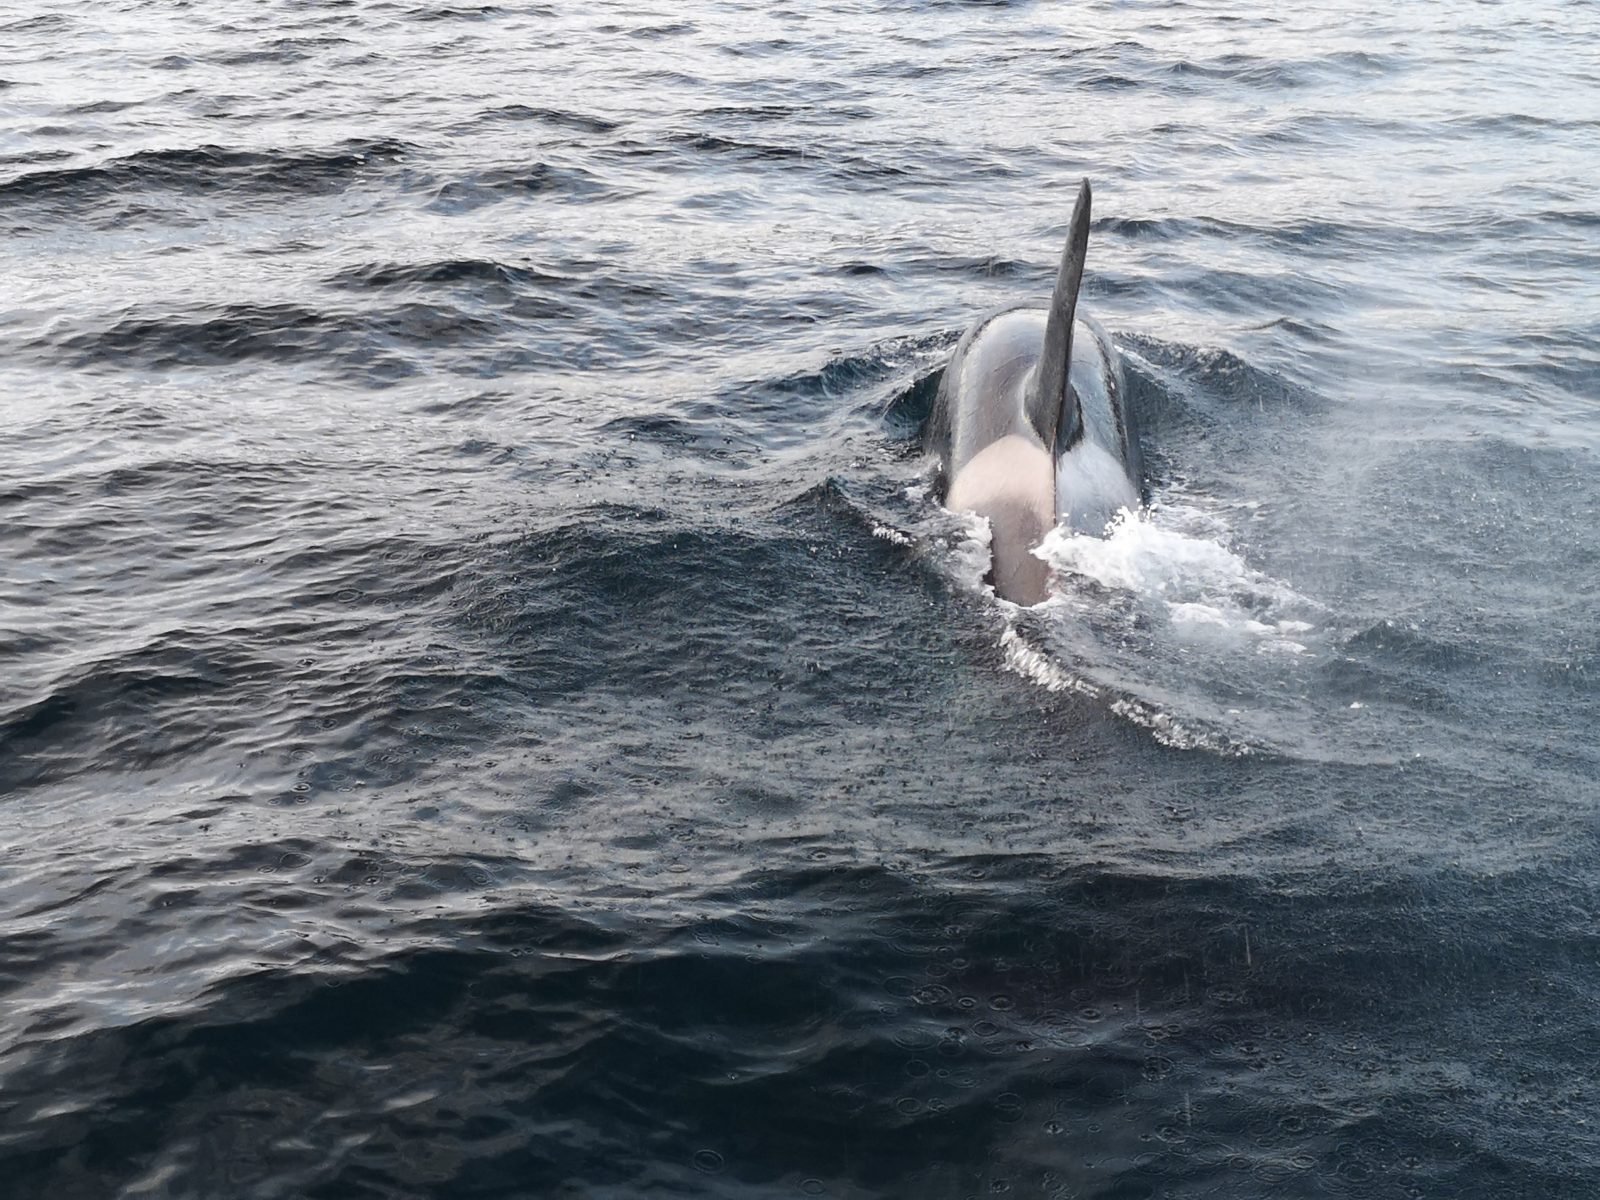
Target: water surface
(490, 708)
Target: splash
(1161, 621)
(1164, 623)
(1174, 565)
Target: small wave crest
(1038, 667)
(203, 169)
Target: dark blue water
(490, 709)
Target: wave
(558, 118)
(363, 342)
(1041, 1015)
(203, 169)
(493, 185)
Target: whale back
(1014, 437)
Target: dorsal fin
(1052, 406)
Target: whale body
(1031, 428)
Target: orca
(1031, 428)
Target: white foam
(1038, 667)
(969, 553)
(1180, 735)
(1153, 616)
(1174, 562)
(1148, 620)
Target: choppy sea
(490, 708)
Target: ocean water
(489, 707)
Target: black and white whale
(1031, 428)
